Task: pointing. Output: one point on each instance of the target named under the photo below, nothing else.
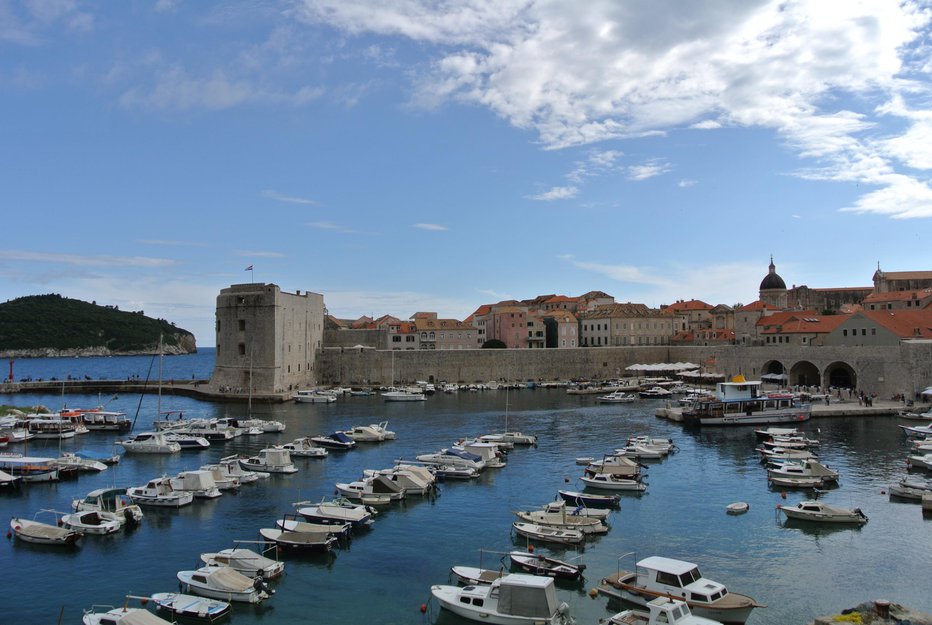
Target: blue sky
(411, 155)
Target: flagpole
(252, 278)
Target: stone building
(267, 339)
(625, 324)
(889, 281)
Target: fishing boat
(740, 402)
(200, 609)
(110, 501)
(304, 448)
(608, 481)
(549, 534)
(538, 564)
(92, 522)
(820, 512)
(159, 492)
(298, 541)
(658, 576)
(590, 500)
(223, 582)
(515, 599)
(246, 561)
(270, 460)
(108, 615)
(39, 533)
(337, 511)
(474, 575)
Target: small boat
(910, 487)
(557, 516)
(338, 441)
(372, 433)
(159, 492)
(92, 522)
(738, 507)
(305, 448)
(661, 611)
(589, 500)
(192, 607)
(337, 511)
(655, 392)
(538, 564)
(912, 415)
(291, 524)
(665, 577)
(223, 582)
(187, 442)
(29, 468)
(923, 461)
(474, 575)
(823, 513)
(11, 481)
(150, 443)
(200, 483)
(38, 533)
(796, 482)
(549, 534)
(377, 486)
(110, 501)
(807, 467)
(585, 461)
(298, 541)
(607, 481)
(617, 397)
(515, 599)
(230, 467)
(403, 395)
(917, 431)
(313, 397)
(270, 460)
(121, 616)
(245, 561)
(69, 460)
(221, 479)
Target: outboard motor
(259, 584)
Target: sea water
(384, 575)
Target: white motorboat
(820, 512)
(150, 443)
(413, 480)
(39, 533)
(661, 611)
(298, 541)
(917, 431)
(245, 561)
(558, 517)
(200, 483)
(403, 394)
(665, 577)
(230, 467)
(781, 453)
(112, 502)
(372, 433)
(337, 511)
(796, 482)
(619, 466)
(313, 397)
(655, 392)
(377, 485)
(101, 615)
(589, 500)
(305, 448)
(69, 460)
(609, 481)
(221, 479)
(910, 487)
(913, 415)
(740, 402)
(617, 397)
(769, 432)
(665, 445)
(452, 457)
(515, 599)
(549, 534)
(641, 452)
(806, 467)
(538, 564)
(738, 507)
(92, 522)
(292, 524)
(200, 609)
(187, 441)
(270, 460)
(923, 461)
(224, 582)
(159, 492)
(338, 441)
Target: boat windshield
(690, 576)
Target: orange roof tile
(903, 323)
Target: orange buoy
(423, 608)
(530, 548)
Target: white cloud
(86, 261)
(686, 183)
(556, 193)
(430, 227)
(647, 170)
(288, 199)
(259, 254)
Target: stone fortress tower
(267, 339)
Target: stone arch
(804, 373)
(841, 375)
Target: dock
(199, 389)
(847, 408)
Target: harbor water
(383, 575)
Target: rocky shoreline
(878, 612)
(49, 352)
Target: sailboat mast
(158, 407)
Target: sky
(422, 155)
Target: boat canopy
(527, 595)
(140, 617)
(465, 455)
(340, 436)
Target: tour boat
(657, 576)
(515, 599)
(740, 402)
(823, 513)
(29, 468)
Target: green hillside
(59, 323)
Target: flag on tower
(249, 268)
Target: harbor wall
(886, 371)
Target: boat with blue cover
(338, 441)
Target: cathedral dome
(772, 280)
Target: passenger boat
(590, 500)
(313, 397)
(39, 533)
(150, 443)
(338, 441)
(740, 402)
(515, 599)
(821, 512)
(97, 420)
(159, 492)
(192, 607)
(101, 615)
(549, 534)
(92, 522)
(246, 561)
(223, 582)
(270, 460)
(52, 427)
(608, 481)
(665, 577)
(538, 564)
(110, 501)
(304, 448)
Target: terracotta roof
(508, 309)
(907, 275)
(482, 310)
(556, 299)
(560, 316)
(804, 324)
(903, 323)
(441, 324)
(755, 306)
(611, 311)
(783, 316)
(595, 295)
(691, 305)
(898, 296)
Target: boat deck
(612, 586)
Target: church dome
(772, 280)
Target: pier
(199, 389)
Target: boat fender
(593, 593)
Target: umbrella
(928, 391)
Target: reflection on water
(384, 574)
